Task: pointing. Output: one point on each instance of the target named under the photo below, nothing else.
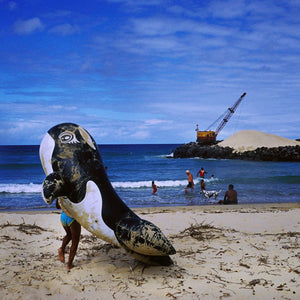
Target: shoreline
(244, 251)
(208, 207)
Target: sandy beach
(233, 252)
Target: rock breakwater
(284, 153)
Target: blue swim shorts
(66, 220)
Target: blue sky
(148, 71)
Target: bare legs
(72, 234)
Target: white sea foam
(13, 188)
(161, 183)
(145, 184)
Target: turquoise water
(131, 168)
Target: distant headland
(247, 145)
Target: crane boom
(230, 112)
(209, 136)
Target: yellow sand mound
(248, 140)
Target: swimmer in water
(155, 187)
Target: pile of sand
(248, 140)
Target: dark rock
(287, 153)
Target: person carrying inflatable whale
(77, 178)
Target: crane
(209, 136)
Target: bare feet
(61, 255)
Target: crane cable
(217, 121)
(227, 114)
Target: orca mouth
(47, 200)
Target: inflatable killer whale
(77, 178)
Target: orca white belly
(88, 213)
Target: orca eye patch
(68, 137)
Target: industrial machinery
(209, 136)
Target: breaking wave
(14, 188)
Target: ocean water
(131, 169)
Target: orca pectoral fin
(143, 237)
(52, 187)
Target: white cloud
(227, 9)
(65, 29)
(154, 122)
(12, 5)
(28, 26)
(137, 3)
(156, 26)
(140, 135)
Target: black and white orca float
(77, 178)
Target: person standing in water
(190, 181)
(155, 187)
(201, 173)
(202, 184)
